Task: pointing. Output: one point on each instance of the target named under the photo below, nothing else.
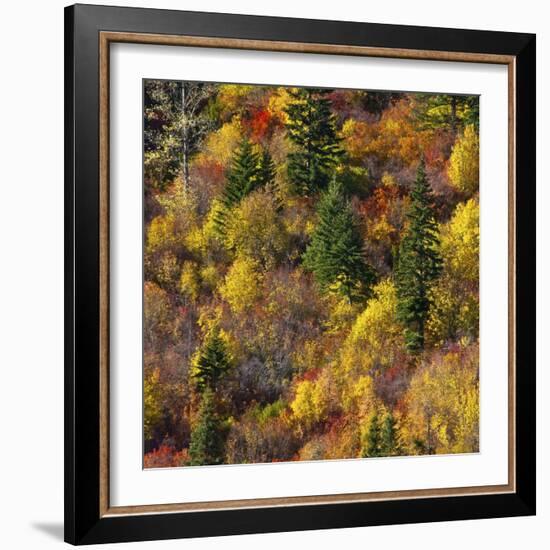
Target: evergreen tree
(266, 169)
(419, 263)
(244, 175)
(207, 437)
(372, 446)
(249, 171)
(335, 254)
(311, 128)
(210, 362)
(442, 111)
(390, 445)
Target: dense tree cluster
(311, 264)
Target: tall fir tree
(207, 437)
(311, 128)
(419, 262)
(249, 171)
(211, 361)
(390, 443)
(373, 440)
(335, 254)
(244, 175)
(266, 169)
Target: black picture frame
(84, 523)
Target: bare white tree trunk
(194, 125)
(185, 140)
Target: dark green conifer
(242, 179)
(266, 169)
(207, 437)
(442, 111)
(335, 254)
(372, 445)
(244, 175)
(419, 263)
(311, 128)
(210, 362)
(249, 171)
(390, 444)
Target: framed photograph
(300, 274)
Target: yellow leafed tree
(464, 162)
(376, 334)
(190, 280)
(455, 310)
(460, 242)
(243, 284)
(443, 405)
(221, 144)
(152, 403)
(312, 401)
(256, 230)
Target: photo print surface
(311, 274)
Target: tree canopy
(312, 130)
(335, 254)
(311, 274)
(419, 262)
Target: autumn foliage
(311, 274)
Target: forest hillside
(311, 262)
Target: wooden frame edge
(300, 47)
(316, 500)
(512, 359)
(105, 39)
(104, 270)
